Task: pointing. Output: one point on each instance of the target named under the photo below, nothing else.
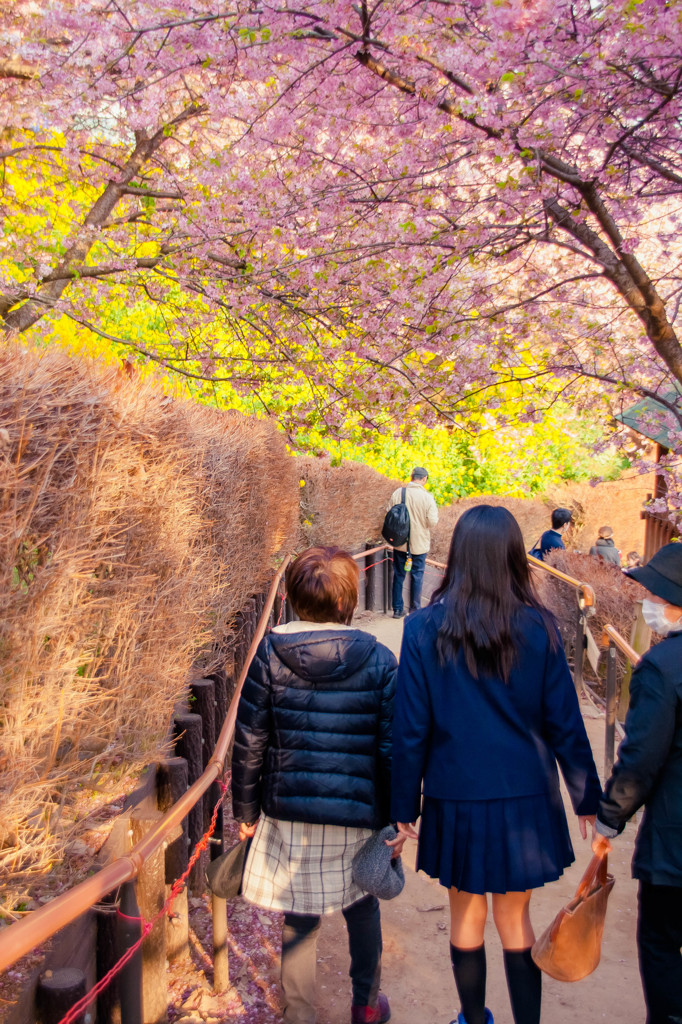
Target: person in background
(554, 538)
(485, 707)
(632, 560)
(605, 547)
(311, 777)
(648, 772)
(423, 517)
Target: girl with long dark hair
(485, 707)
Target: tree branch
(145, 146)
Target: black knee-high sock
(524, 981)
(469, 968)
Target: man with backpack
(420, 507)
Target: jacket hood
(605, 542)
(324, 655)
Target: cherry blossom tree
(405, 203)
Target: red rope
(177, 887)
(371, 566)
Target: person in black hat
(648, 772)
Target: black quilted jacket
(313, 737)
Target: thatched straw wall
(346, 504)
(342, 505)
(132, 527)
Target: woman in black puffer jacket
(311, 774)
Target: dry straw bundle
(132, 528)
(346, 504)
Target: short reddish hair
(322, 585)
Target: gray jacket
(606, 549)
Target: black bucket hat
(662, 575)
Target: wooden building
(646, 418)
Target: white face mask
(654, 616)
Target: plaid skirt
(302, 868)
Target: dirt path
(416, 970)
(416, 967)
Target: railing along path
(23, 936)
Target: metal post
(579, 651)
(221, 963)
(130, 977)
(610, 730)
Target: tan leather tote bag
(570, 948)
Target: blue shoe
(461, 1020)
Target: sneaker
(378, 1014)
(399, 615)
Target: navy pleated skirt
(507, 845)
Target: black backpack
(396, 528)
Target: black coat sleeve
(252, 734)
(649, 733)
(385, 737)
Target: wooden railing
(616, 643)
(585, 601)
(41, 924)
(21, 937)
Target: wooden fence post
(371, 574)
(130, 977)
(57, 992)
(221, 698)
(203, 692)
(151, 895)
(108, 1005)
(221, 962)
(579, 655)
(188, 745)
(171, 783)
(610, 726)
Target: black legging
(659, 938)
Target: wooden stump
(57, 992)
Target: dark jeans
(659, 938)
(417, 579)
(299, 958)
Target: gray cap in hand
(374, 868)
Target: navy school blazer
(482, 739)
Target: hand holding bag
(570, 948)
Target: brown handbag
(571, 947)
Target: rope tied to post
(146, 926)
